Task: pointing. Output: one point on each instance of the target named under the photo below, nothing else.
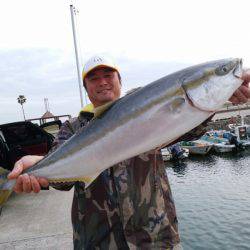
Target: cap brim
(84, 74)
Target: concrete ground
(37, 221)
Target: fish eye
(224, 69)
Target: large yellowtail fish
(156, 114)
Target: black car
(22, 138)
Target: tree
(21, 100)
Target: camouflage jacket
(129, 206)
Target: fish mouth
(237, 72)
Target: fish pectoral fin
(173, 106)
(101, 109)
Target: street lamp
(21, 100)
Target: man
(130, 205)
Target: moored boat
(166, 155)
(223, 148)
(174, 152)
(242, 133)
(196, 147)
(220, 143)
(178, 152)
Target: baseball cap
(97, 61)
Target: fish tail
(6, 186)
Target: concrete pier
(37, 221)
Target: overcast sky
(148, 39)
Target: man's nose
(103, 81)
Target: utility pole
(73, 12)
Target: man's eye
(93, 79)
(108, 75)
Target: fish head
(208, 86)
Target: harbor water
(212, 197)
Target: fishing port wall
(230, 114)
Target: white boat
(223, 148)
(220, 144)
(197, 147)
(243, 134)
(246, 143)
(186, 152)
(166, 155)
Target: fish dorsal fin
(101, 109)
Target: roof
(47, 114)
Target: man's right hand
(24, 182)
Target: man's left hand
(242, 94)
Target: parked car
(22, 138)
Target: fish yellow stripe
(85, 179)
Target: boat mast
(73, 12)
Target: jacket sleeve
(65, 132)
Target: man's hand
(242, 94)
(27, 183)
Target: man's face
(103, 85)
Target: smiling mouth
(104, 90)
